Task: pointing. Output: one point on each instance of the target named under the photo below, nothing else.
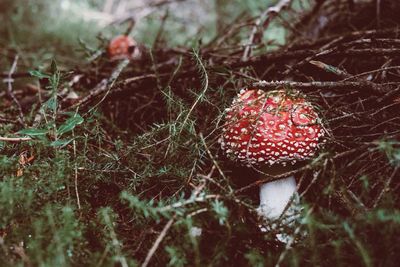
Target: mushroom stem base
(274, 197)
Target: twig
(343, 74)
(330, 69)
(360, 86)
(215, 163)
(15, 139)
(265, 18)
(188, 201)
(293, 172)
(272, 178)
(385, 187)
(348, 36)
(336, 48)
(205, 88)
(368, 51)
(157, 242)
(9, 80)
(138, 78)
(76, 174)
(196, 212)
(370, 72)
(2, 119)
(312, 54)
(102, 87)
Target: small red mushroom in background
(123, 47)
(271, 131)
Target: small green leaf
(38, 74)
(33, 132)
(61, 142)
(70, 124)
(50, 104)
(53, 66)
(220, 210)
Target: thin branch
(158, 242)
(9, 80)
(76, 174)
(15, 139)
(265, 18)
(385, 187)
(104, 86)
(205, 88)
(360, 86)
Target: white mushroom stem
(274, 197)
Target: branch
(265, 18)
(104, 86)
(15, 139)
(157, 242)
(368, 86)
(9, 80)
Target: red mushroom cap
(269, 128)
(121, 47)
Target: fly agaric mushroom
(123, 47)
(271, 131)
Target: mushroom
(123, 47)
(271, 131)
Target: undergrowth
(137, 177)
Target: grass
(140, 178)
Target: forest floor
(117, 162)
